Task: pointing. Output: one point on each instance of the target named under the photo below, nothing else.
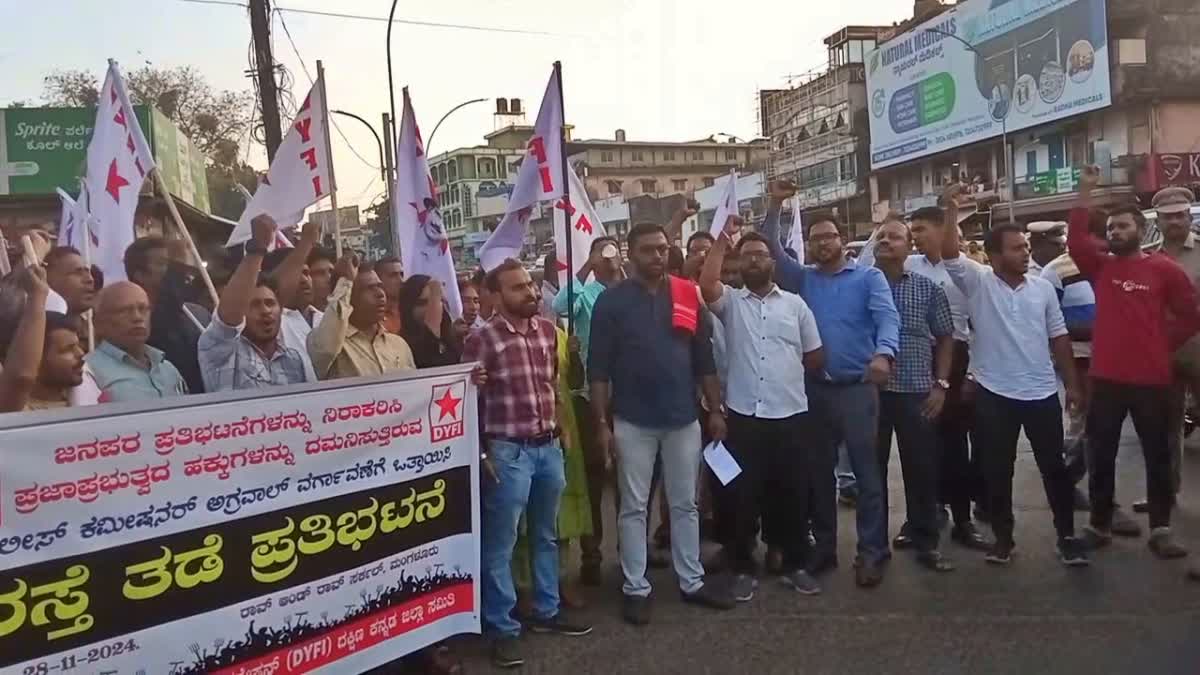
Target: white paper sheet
(721, 462)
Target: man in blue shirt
(860, 329)
(643, 375)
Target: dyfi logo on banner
(424, 248)
(118, 161)
(727, 207)
(446, 411)
(299, 175)
(585, 228)
(539, 179)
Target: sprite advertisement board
(45, 148)
(1029, 62)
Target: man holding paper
(772, 339)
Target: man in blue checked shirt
(860, 329)
(914, 395)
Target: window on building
(649, 185)
(668, 155)
(730, 155)
(487, 167)
(614, 187)
(708, 182)
(452, 171)
(637, 156)
(697, 155)
(606, 157)
(501, 167)
(679, 185)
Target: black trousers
(1111, 403)
(998, 422)
(959, 480)
(774, 455)
(917, 441)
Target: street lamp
(429, 142)
(1008, 176)
(382, 165)
(391, 87)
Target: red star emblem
(115, 182)
(448, 405)
(560, 266)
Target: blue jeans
(849, 414)
(845, 471)
(531, 481)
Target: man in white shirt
(772, 338)
(1019, 336)
(290, 270)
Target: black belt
(540, 439)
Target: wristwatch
(942, 384)
(252, 247)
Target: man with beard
(42, 356)
(351, 340)
(71, 277)
(392, 275)
(913, 398)
(291, 273)
(861, 332)
(773, 340)
(523, 463)
(243, 348)
(650, 347)
(1020, 336)
(1145, 305)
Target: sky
(664, 70)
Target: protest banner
(331, 525)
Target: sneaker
(710, 597)
(1000, 553)
(635, 609)
(1123, 525)
(903, 540)
(559, 625)
(1163, 545)
(1095, 538)
(743, 587)
(801, 582)
(967, 536)
(1071, 552)
(506, 654)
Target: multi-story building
(818, 130)
(660, 168)
(1109, 82)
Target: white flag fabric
(118, 161)
(72, 224)
(585, 227)
(727, 207)
(299, 175)
(417, 218)
(539, 179)
(796, 236)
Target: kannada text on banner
(277, 531)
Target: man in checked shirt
(912, 400)
(523, 465)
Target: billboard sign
(45, 148)
(1030, 62)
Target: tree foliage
(215, 121)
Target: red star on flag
(115, 182)
(448, 405)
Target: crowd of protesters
(803, 370)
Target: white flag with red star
(585, 227)
(299, 175)
(424, 248)
(796, 235)
(118, 161)
(539, 179)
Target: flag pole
(337, 225)
(187, 236)
(566, 168)
(87, 257)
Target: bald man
(124, 366)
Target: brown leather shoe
(868, 575)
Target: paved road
(1128, 613)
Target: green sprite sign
(45, 148)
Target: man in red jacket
(1145, 306)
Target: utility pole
(260, 29)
